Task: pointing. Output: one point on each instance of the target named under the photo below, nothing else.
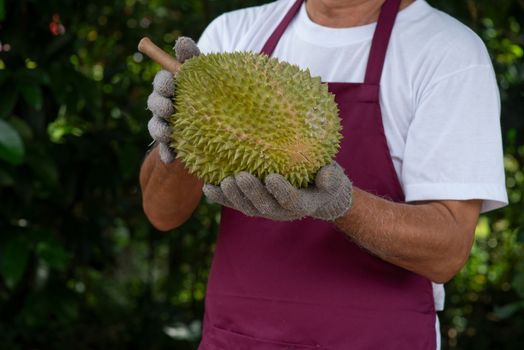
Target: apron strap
(379, 44)
(272, 42)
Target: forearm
(169, 193)
(426, 238)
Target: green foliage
(11, 146)
(79, 263)
(485, 302)
(81, 267)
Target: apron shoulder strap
(379, 44)
(272, 42)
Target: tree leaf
(13, 261)
(2, 10)
(32, 95)
(4, 74)
(44, 168)
(508, 310)
(21, 126)
(7, 101)
(520, 235)
(11, 146)
(53, 254)
(518, 283)
(6, 179)
(34, 76)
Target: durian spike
(168, 62)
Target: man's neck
(346, 13)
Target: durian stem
(168, 62)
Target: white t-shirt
(439, 97)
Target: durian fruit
(247, 112)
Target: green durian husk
(243, 111)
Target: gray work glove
(328, 199)
(160, 101)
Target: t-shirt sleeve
(228, 32)
(453, 147)
(211, 39)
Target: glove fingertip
(164, 83)
(160, 106)
(209, 188)
(167, 155)
(277, 182)
(274, 177)
(213, 193)
(227, 183)
(185, 48)
(245, 179)
(231, 189)
(329, 177)
(159, 130)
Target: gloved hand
(160, 101)
(329, 199)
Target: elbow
(165, 217)
(161, 221)
(161, 224)
(452, 253)
(445, 273)
(450, 263)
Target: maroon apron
(303, 284)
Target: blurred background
(80, 266)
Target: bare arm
(431, 238)
(169, 193)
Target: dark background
(81, 267)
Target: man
(348, 263)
